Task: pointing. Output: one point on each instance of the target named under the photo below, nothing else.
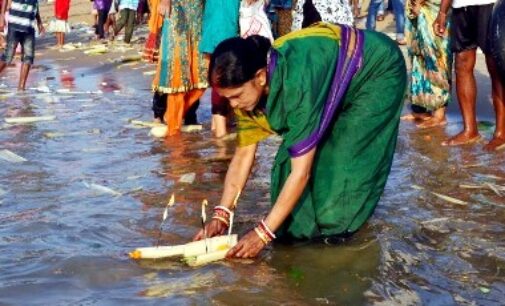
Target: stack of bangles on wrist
(222, 214)
(265, 234)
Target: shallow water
(64, 241)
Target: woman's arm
(5, 6)
(236, 178)
(251, 244)
(440, 23)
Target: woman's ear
(261, 77)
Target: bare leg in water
(25, 69)
(416, 117)
(466, 90)
(498, 93)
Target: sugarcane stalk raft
(191, 249)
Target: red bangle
(265, 229)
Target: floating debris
(449, 199)
(146, 123)
(494, 189)
(473, 165)
(465, 186)
(102, 189)
(22, 120)
(153, 72)
(485, 290)
(442, 196)
(80, 133)
(2, 192)
(188, 178)
(491, 176)
(96, 50)
(436, 220)
(159, 131)
(67, 91)
(11, 157)
(43, 89)
(191, 128)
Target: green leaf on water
(484, 290)
(486, 125)
(296, 273)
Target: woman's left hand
(248, 247)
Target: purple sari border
(344, 72)
(271, 63)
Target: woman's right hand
(213, 228)
(165, 8)
(439, 26)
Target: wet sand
(65, 241)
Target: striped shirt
(22, 15)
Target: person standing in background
(431, 59)
(127, 15)
(181, 74)
(22, 16)
(102, 7)
(307, 12)
(470, 23)
(59, 25)
(220, 22)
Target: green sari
(355, 148)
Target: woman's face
(246, 96)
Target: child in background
(23, 14)
(127, 15)
(103, 8)
(59, 25)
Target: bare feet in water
(462, 138)
(432, 122)
(415, 117)
(497, 143)
(437, 119)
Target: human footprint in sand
(470, 29)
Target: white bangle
(268, 229)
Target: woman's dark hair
(236, 60)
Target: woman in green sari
(334, 94)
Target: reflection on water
(64, 241)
